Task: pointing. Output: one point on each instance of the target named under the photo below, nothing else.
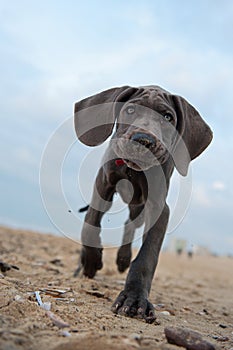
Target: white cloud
(218, 185)
(25, 157)
(200, 196)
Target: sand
(193, 293)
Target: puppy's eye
(130, 109)
(168, 117)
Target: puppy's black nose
(144, 139)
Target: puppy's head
(151, 126)
(146, 130)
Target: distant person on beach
(180, 246)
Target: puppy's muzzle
(141, 150)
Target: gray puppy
(155, 132)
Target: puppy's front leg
(91, 254)
(135, 220)
(133, 300)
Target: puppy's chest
(131, 185)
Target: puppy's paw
(124, 255)
(90, 261)
(132, 304)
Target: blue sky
(54, 53)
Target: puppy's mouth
(136, 165)
(139, 165)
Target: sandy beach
(194, 293)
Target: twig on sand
(57, 321)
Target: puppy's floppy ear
(194, 135)
(94, 117)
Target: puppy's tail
(81, 210)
